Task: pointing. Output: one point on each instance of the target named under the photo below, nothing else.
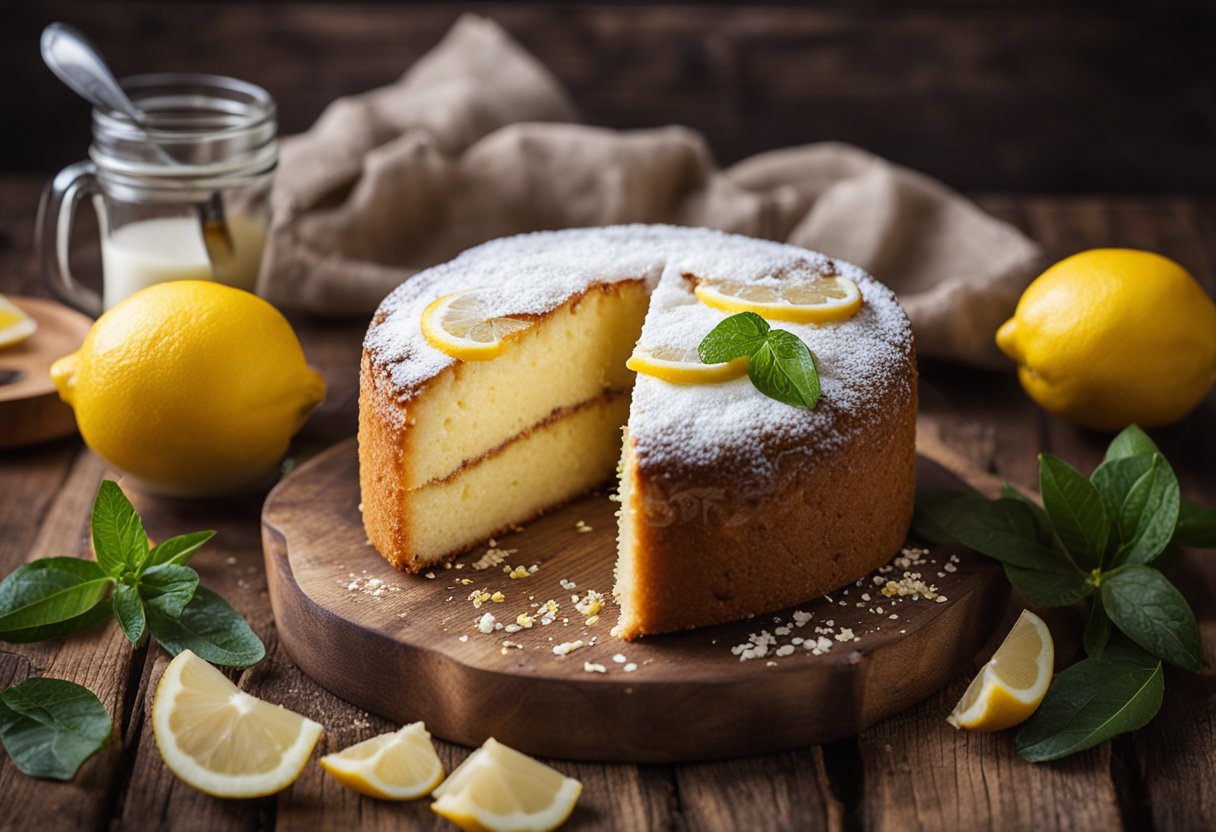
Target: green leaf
(119, 539)
(50, 727)
(930, 503)
(178, 550)
(211, 629)
(129, 611)
(1130, 442)
(1075, 509)
(1146, 607)
(1149, 514)
(168, 588)
(1097, 629)
(1092, 701)
(1042, 523)
(1196, 526)
(51, 597)
(735, 337)
(1049, 588)
(1115, 477)
(1003, 529)
(784, 369)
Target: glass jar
(206, 152)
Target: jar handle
(56, 214)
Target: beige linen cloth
(478, 141)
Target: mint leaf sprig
(779, 364)
(148, 589)
(1107, 538)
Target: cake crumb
(486, 623)
(592, 667)
(567, 584)
(630, 667)
(619, 658)
(581, 527)
(567, 647)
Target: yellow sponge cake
(733, 504)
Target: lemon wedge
(399, 765)
(682, 366)
(15, 324)
(223, 741)
(1009, 688)
(501, 790)
(460, 324)
(801, 302)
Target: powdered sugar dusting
(862, 360)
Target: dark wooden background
(994, 96)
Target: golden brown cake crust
(708, 551)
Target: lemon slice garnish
(1009, 688)
(15, 324)
(399, 765)
(501, 790)
(802, 302)
(682, 366)
(460, 324)
(223, 741)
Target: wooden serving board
(407, 647)
(30, 408)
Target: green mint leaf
(1149, 610)
(129, 611)
(1196, 526)
(1130, 442)
(735, 337)
(1092, 701)
(119, 539)
(1149, 514)
(1075, 509)
(784, 369)
(211, 629)
(931, 503)
(178, 550)
(1058, 588)
(50, 727)
(1042, 523)
(168, 588)
(52, 597)
(1002, 529)
(1114, 478)
(1097, 629)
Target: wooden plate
(407, 647)
(30, 408)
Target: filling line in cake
(554, 416)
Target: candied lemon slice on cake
(682, 366)
(1009, 688)
(461, 325)
(15, 324)
(223, 741)
(499, 789)
(801, 302)
(399, 765)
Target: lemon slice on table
(460, 324)
(682, 366)
(15, 324)
(399, 765)
(499, 789)
(223, 741)
(1009, 688)
(801, 302)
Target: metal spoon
(79, 64)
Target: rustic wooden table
(910, 772)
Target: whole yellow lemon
(1113, 336)
(191, 387)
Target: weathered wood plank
(1010, 96)
(780, 791)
